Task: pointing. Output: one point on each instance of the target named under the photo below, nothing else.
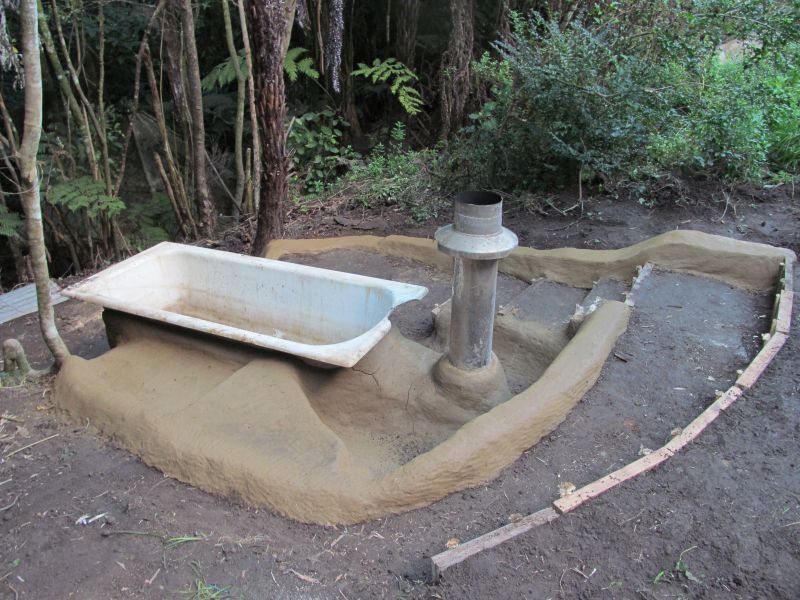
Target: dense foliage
(589, 100)
(527, 95)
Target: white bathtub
(317, 314)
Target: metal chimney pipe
(477, 240)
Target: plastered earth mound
(346, 445)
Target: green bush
(560, 102)
(395, 177)
(318, 155)
(782, 87)
(718, 122)
(592, 99)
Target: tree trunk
(172, 57)
(241, 90)
(208, 218)
(62, 78)
(454, 78)
(269, 25)
(405, 37)
(348, 92)
(136, 89)
(254, 181)
(29, 147)
(176, 190)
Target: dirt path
(720, 520)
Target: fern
(398, 77)
(295, 67)
(84, 193)
(225, 73)
(9, 222)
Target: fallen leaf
(565, 488)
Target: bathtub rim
(342, 354)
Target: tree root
(16, 368)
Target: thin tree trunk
(88, 112)
(137, 78)
(208, 218)
(179, 217)
(269, 25)
(348, 92)
(114, 232)
(29, 147)
(255, 185)
(172, 169)
(172, 56)
(62, 78)
(241, 90)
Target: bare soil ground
(720, 520)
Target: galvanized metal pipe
(477, 240)
(473, 308)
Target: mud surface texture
(727, 506)
(398, 431)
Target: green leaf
(9, 222)
(84, 193)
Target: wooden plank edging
(777, 338)
(448, 558)
(784, 317)
(759, 364)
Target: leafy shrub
(10, 222)
(782, 88)
(294, 65)
(314, 139)
(150, 221)
(395, 177)
(718, 123)
(562, 104)
(560, 101)
(84, 193)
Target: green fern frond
(294, 65)
(84, 193)
(398, 77)
(223, 74)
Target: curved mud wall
(241, 423)
(742, 264)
